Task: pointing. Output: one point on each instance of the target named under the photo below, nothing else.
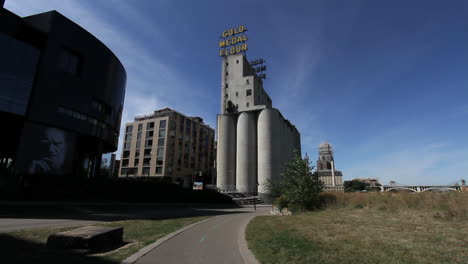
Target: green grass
(28, 246)
(145, 232)
(359, 236)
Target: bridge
(421, 188)
(396, 187)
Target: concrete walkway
(220, 239)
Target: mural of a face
(54, 141)
(52, 150)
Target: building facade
(373, 182)
(254, 139)
(168, 144)
(332, 178)
(62, 93)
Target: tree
(355, 186)
(299, 187)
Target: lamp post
(255, 197)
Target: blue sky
(385, 82)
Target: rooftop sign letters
(260, 70)
(233, 41)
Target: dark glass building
(61, 99)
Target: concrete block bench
(87, 238)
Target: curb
(246, 253)
(133, 258)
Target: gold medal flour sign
(233, 41)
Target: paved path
(218, 240)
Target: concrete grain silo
(268, 152)
(254, 139)
(226, 152)
(246, 177)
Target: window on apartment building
(128, 171)
(140, 127)
(145, 172)
(159, 163)
(172, 124)
(138, 135)
(138, 144)
(129, 129)
(160, 151)
(247, 104)
(125, 154)
(147, 152)
(136, 162)
(160, 142)
(128, 137)
(127, 145)
(148, 143)
(226, 85)
(237, 94)
(162, 124)
(125, 163)
(149, 134)
(150, 125)
(247, 81)
(249, 92)
(237, 61)
(162, 132)
(181, 124)
(188, 124)
(137, 153)
(158, 170)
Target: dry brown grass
(443, 205)
(368, 228)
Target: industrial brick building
(168, 143)
(254, 139)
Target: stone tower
(332, 178)
(325, 159)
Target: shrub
(299, 186)
(281, 202)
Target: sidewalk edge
(133, 258)
(246, 253)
